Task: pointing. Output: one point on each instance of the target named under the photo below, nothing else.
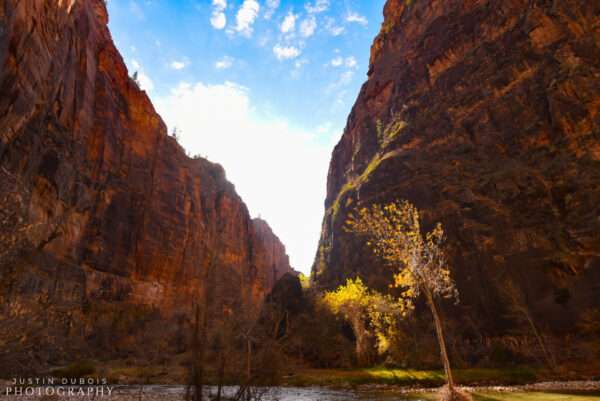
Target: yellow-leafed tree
(367, 311)
(394, 234)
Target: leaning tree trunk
(550, 360)
(439, 331)
(248, 358)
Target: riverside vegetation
(302, 336)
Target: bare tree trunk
(221, 375)
(550, 360)
(249, 358)
(439, 331)
(519, 306)
(359, 333)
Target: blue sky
(263, 87)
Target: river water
(591, 391)
(157, 392)
(365, 393)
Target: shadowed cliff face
(485, 114)
(101, 209)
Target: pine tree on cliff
(394, 234)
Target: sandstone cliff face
(485, 114)
(270, 253)
(103, 213)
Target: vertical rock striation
(104, 217)
(486, 115)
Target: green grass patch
(420, 397)
(536, 396)
(408, 377)
(520, 375)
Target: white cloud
(286, 52)
(178, 65)
(224, 63)
(337, 61)
(356, 18)
(289, 23)
(145, 82)
(268, 163)
(308, 26)
(218, 19)
(246, 16)
(272, 6)
(333, 28)
(317, 7)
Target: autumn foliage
(371, 315)
(419, 261)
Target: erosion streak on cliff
(485, 114)
(107, 208)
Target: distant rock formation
(106, 222)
